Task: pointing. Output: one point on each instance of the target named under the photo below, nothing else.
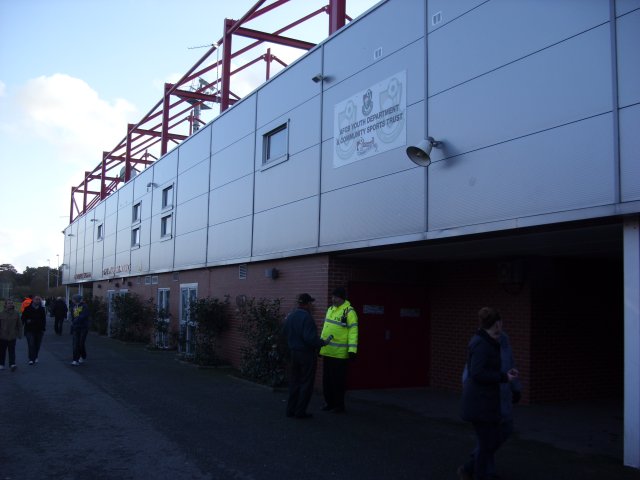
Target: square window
(135, 237)
(136, 212)
(276, 144)
(167, 197)
(165, 226)
(100, 234)
(147, 280)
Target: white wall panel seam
(229, 182)
(617, 186)
(516, 60)
(453, 19)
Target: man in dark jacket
(80, 329)
(302, 337)
(59, 311)
(481, 398)
(34, 319)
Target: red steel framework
(159, 124)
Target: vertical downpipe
(617, 188)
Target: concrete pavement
(131, 413)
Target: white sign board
(371, 121)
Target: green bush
(98, 314)
(135, 318)
(264, 357)
(209, 319)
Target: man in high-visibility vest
(341, 323)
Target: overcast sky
(73, 73)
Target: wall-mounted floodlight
(318, 78)
(151, 185)
(420, 154)
(70, 235)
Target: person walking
(481, 394)
(341, 324)
(79, 328)
(302, 338)
(34, 319)
(10, 330)
(59, 312)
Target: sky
(73, 73)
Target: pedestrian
(341, 323)
(10, 329)
(26, 302)
(482, 393)
(59, 312)
(34, 319)
(302, 338)
(79, 329)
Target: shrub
(264, 357)
(98, 314)
(135, 318)
(209, 319)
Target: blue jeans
(34, 340)
(79, 339)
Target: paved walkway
(130, 413)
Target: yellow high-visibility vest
(342, 323)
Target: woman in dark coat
(481, 392)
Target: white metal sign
(370, 122)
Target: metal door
(393, 344)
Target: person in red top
(26, 302)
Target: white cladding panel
(193, 183)
(165, 169)
(295, 179)
(502, 31)
(441, 12)
(290, 89)
(140, 260)
(191, 215)
(233, 162)
(233, 200)
(230, 240)
(388, 28)
(140, 182)
(195, 149)
(541, 91)
(161, 257)
(388, 206)
(630, 153)
(532, 175)
(629, 59)
(125, 197)
(410, 59)
(191, 249)
(625, 6)
(236, 123)
(290, 227)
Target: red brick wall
(457, 291)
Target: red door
(393, 344)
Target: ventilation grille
(242, 271)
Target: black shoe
(338, 410)
(289, 415)
(304, 415)
(326, 408)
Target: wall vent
(377, 53)
(242, 271)
(436, 18)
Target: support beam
(337, 15)
(271, 38)
(226, 64)
(166, 105)
(631, 245)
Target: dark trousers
(79, 340)
(489, 439)
(334, 381)
(34, 340)
(8, 345)
(505, 430)
(303, 375)
(57, 326)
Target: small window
(136, 212)
(276, 144)
(165, 226)
(154, 280)
(135, 237)
(147, 280)
(100, 234)
(167, 197)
